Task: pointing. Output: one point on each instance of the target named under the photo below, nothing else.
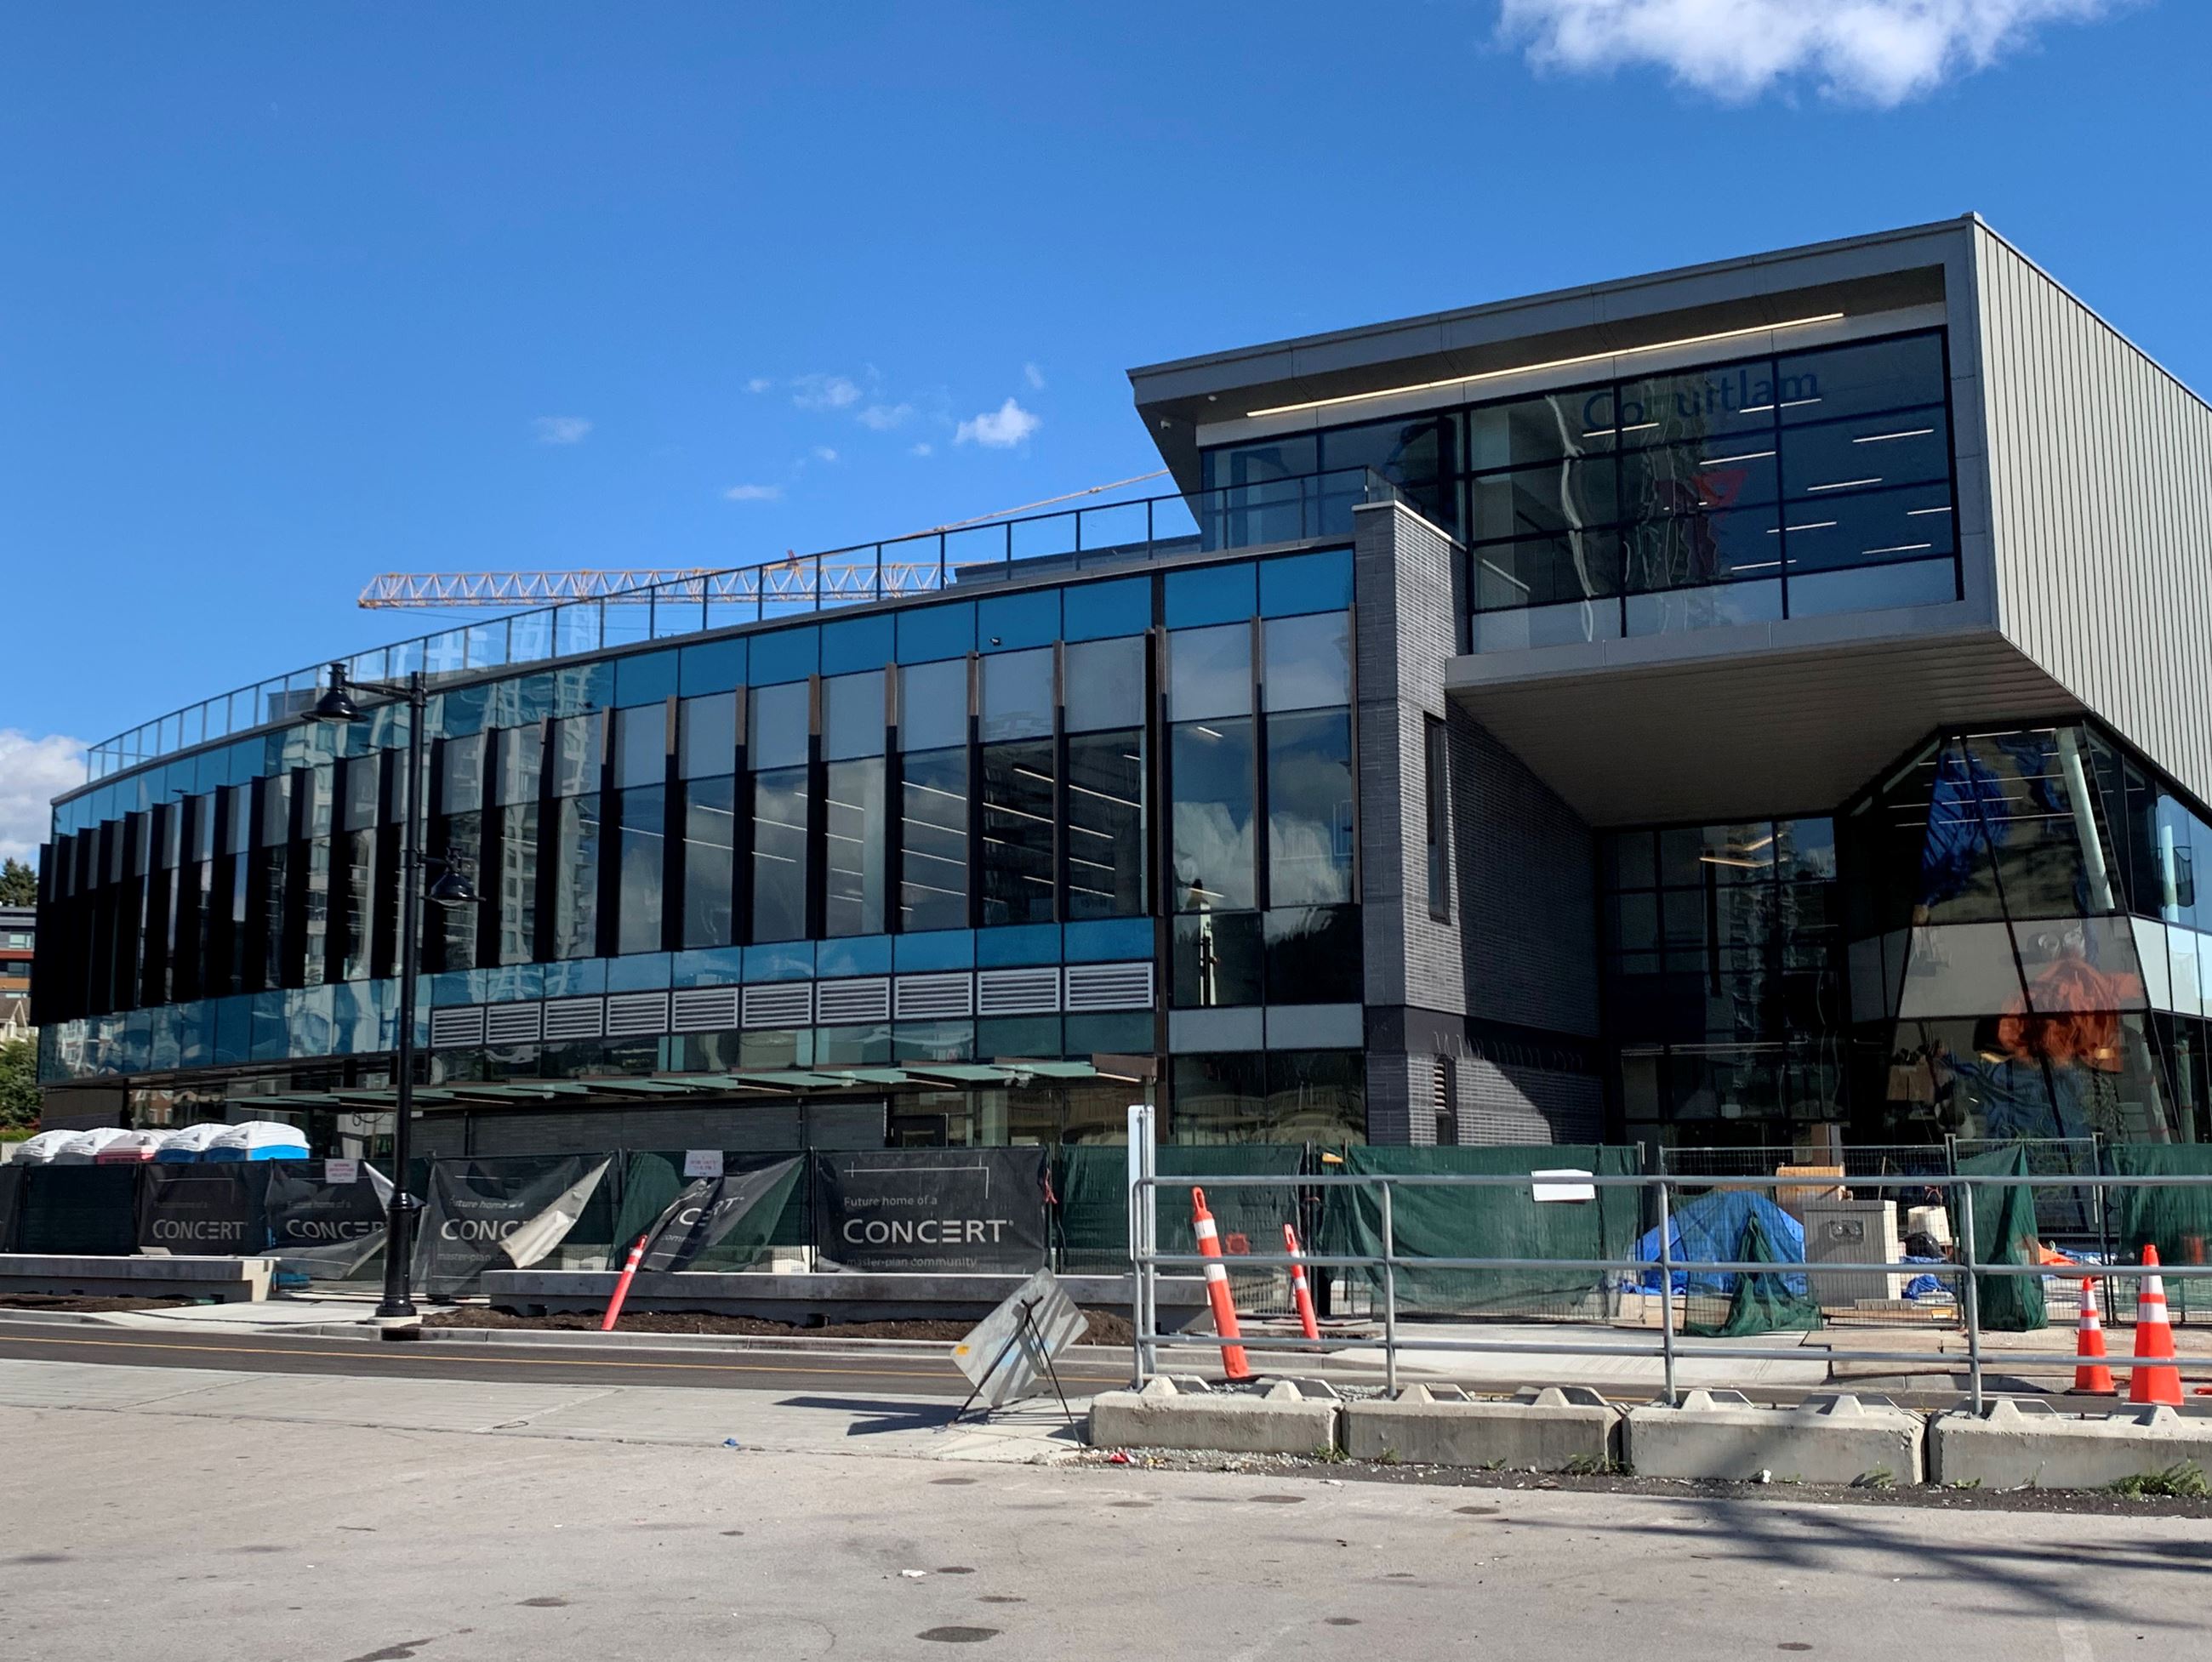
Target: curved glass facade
(938, 834)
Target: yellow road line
(399, 1354)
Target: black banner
(712, 1209)
(201, 1210)
(326, 1230)
(11, 1184)
(947, 1211)
(504, 1214)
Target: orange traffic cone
(1233, 1363)
(2092, 1377)
(2153, 1382)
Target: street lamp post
(452, 888)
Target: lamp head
(336, 704)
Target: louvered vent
(841, 1004)
(704, 1009)
(1018, 992)
(934, 997)
(1108, 986)
(512, 1024)
(636, 1014)
(462, 1025)
(573, 1018)
(779, 1005)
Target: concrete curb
(2034, 1445)
(1553, 1429)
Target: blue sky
(292, 295)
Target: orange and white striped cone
(2091, 1378)
(2154, 1381)
(1299, 1292)
(621, 1286)
(1233, 1363)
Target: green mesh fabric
(1092, 1181)
(650, 1180)
(1505, 1222)
(1763, 1303)
(2005, 1232)
(2178, 1222)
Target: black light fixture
(336, 704)
(454, 889)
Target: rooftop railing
(960, 559)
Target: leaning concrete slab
(1824, 1440)
(2031, 1445)
(1282, 1422)
(232, 1280)
(1548, 1430)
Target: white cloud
(823, 453)
(998, 429)
(1034, 376)
(32, 772)
(883, 417)
(825, 393)
(1877, 52)
(759, 384)
(561, 429)
(754, 493)
(924, 448)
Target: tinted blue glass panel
(641, 971)
(455, 987)
(504, 985)
(938, 948)
(712, 666)
(717, 966)
(1030, 943)
(863, 955)
(1210, 594)
(784, 655)
(1306, 583)
(578, 687)
(461, 711)
(935, 632)
(1109, 940)
(644, 678)
(575, 978)
(856, 643)
(780, 961)
(1009, 621)
(1098, 611)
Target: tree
(19, 1084)
(19, 884)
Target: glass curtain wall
(778, 746)
(853, 735)
(578, 745)
(1723, 978)
(642, 815)
(707, 750)
(1017, 771)
(521, 765)
(1105, 700)
(933, 832)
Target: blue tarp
(1711, 1228)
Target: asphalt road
(224, 1540)
(755, 1370)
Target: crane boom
(828, 581)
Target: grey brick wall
(1519, 945)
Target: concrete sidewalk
(756, 1420)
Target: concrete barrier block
(1839, 1439)
(153, 1275)
(1548, 1430)
(1280, 1422)
(2034, 1445)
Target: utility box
(1852, 1232)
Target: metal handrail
(756, 585)
(1146, 1261)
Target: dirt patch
(1105, 1328)
(2093, 1503)
(88, 1307)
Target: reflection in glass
(1106, 864)
(780, 873)
(854, 850)
(1015, 871)
(642, 843)
(1309, 825)
(710, 860)
(934, 826)
(1212, 816)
